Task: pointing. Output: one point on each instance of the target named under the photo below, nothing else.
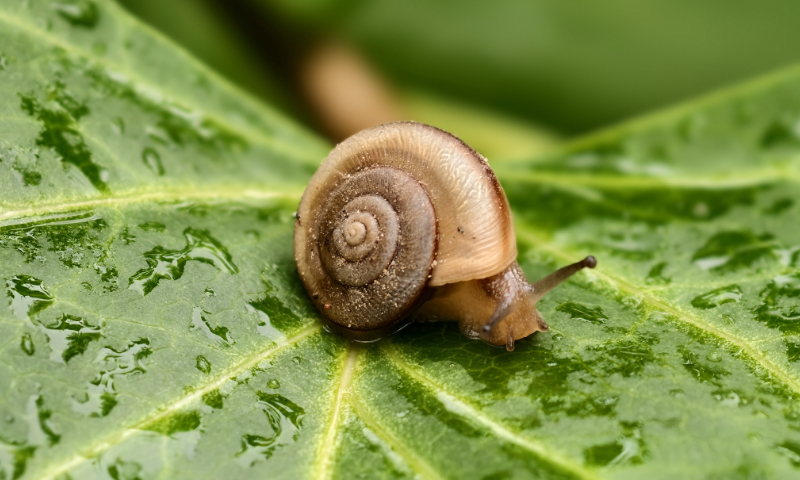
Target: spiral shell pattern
(374, 243)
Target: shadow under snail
(405, 222)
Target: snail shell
(402, 219)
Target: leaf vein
(176, 405)
(156, 194)
(467, 410)
(328, 447)
(740, 344)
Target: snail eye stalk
(506, 306)
(551, 281)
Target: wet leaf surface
(153, 324)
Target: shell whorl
(393, 210)
(375, 243)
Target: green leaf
(154, 325)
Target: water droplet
(41, 433)
(39, 423)
(717, 297)
(68, 337)
(26, 344)
(731, 398)
(274, 316)
(175, 125)
(714, 357)
(118, 125)
(122, 470)
(209, 292)
(126, 237)
(203, 364)
(177, 422)
(791, 450)
(26, 168)
(169, 264)
(152, 226)
(214, 399)
(779, 206)
(273, 383)
(701, 371)
(779, 134)
(615, 453)
(218, 335)
(100, 396)
(78, 13)
(152, 159)
(733, 250)
(582, 312)
(656, 275)
(61, 134)
(780, 307)
(285, 419)
(15, 458)
(28, 296)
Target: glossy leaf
(154, 325)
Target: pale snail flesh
(404, 222)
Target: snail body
(403, 222)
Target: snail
(404, 222)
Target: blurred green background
(553, 66)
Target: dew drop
(69, 336)
(177, 422)
(152, 159)
(121, 469)
(203, 364)
(152, 226)
(218, 335)
(285, 421)
(118, 125)
(714, 357)
(273, 383)
(214, 399)
(101, 397)
(28, 296)
(164, 264)
(26, 344)
(717, 297)
(584, 313)
(77, 13)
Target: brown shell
(475, 231)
